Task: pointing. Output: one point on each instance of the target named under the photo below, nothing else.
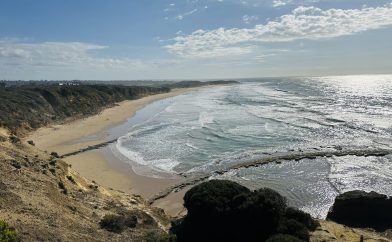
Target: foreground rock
(362, 210)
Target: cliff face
(27, 108)
(44, 199)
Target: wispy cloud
(302, 23)
(60, 54)
(182, 16)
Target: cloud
(72, 60)
(302, 23)
(182, 16)
(280, 3)
(60, 55)
(248, 19)
(55, 53)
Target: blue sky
(193, 39)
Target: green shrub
(7, 234)
(154, 236)
(62, 187)
(130, 221)
(226, 211)
(302, 217)
(283, 238)
(295, 228)
(117, 223)
(113, 223)
(212, 197)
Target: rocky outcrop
(362, 210)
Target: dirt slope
(45, 200)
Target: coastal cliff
(29, 107)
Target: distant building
(69, 83)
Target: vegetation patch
(154, 236)
(118, 223)
(221, 210)
(63, 188)
(7, 234)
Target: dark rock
(363, 210)
(30, 142)
(55, 154)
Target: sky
(193, 39)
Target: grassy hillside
(27, 108)
(43, 199)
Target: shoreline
(102, 165)
(68, 137)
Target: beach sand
(68, 137)
(102, 165)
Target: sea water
(218, 126)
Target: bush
(117, 223)
(113, 223)
(295, 228)
(302, 217)
(154, 236)
(212, 197)
(283, 238)
(7, 234)
(62, 187)
(226, 211)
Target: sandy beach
(102, 165)
(68, 137)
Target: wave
(151, 168)
(205, 118)
(191, 146)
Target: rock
(55, 154)
(362, 210)
(30, 142)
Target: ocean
(215, 127)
